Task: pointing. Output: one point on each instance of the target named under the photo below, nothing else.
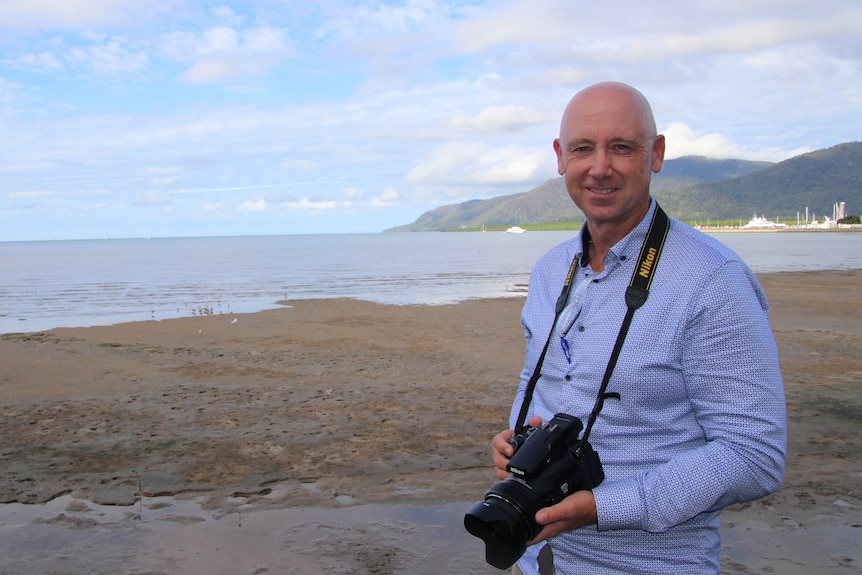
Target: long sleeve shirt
(700, 423)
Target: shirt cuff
(619, 505)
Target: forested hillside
(689, 188)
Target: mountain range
(693, 189)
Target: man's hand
(576, 510)
(503, 451)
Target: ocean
(102, 282)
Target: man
(699, 420)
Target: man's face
(607, 153)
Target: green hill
(690, 188)
(815, 181)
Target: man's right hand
(503, 451)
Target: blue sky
(137, 118)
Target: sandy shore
(339, 436)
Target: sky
(164, 118)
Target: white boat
(516, 230)
(761, 223)
(827, 223)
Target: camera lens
(501, 524)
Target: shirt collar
(625, 248)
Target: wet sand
(339, 436)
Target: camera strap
(636, 295)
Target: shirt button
(581, 328)
(568, 377)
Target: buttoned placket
(577, 326)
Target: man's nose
(600, 164)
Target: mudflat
(342, 436)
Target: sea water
(101, 282)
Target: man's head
(607, 151)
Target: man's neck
(599, 246)
(597, 258)
(605, 235)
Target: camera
(549, 463)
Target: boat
(761, 223)
(516, 230)
(825, 224)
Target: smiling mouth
(602, 191)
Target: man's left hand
(576, 510)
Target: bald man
(694, 418)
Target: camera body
(549, 464)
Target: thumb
(548, 514)
(575, 511)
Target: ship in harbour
(761, 223)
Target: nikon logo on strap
(648, 259)
(647, 262)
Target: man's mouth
(602, 191)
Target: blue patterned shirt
(700, 423)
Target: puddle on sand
(165, 535)
(178, 537)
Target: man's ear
(561, 168)
(658, 147)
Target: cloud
(71, 14)
(383, 19)
(214, 206)
(657, 30)
(163, 177)
(44, 61)
(467, 163)
(29, 195)
(346, 198)
(279, 110)
(498, 119)
(683, 141)
(545, 44)
(222, 53)
(221, 68)
(109, 57)
(300, 165)
(257, 205)
(163, 171)
(92, 55)
(386, 198)
(397, 42)
(306, 205)
(10, 91)
(154, 199)
(227, 15)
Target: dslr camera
(549, 463)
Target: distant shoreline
(854, 228)
(723, 229)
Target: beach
(344, 436)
